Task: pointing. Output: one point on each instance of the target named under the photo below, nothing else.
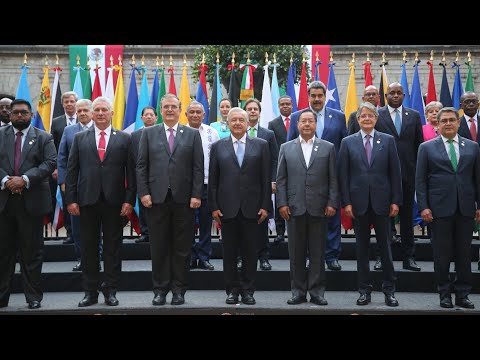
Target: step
(136, 276)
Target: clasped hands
(15, 184)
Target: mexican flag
(246, 90)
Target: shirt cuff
(27, 180)
(4, 180)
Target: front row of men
(100, 188)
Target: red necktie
(101, 146)
(18, 154)
(287, 123)
(473, 129)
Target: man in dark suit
(84, 115)
(370, 94)
(307, 193)
(69, 100)
(253, 109)
(149, 118)
(469, 121)
(100, 188)
(27, 159)
(331, 126)
(239, 196)
(448, 195)
(280, 126)
(5, 111)
(405, 126)
(371, 188)
(170, 185)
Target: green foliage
(257, 55)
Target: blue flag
(404, 82)
(457, 88)
(291, 85)
(143, 100)
(275, 91)
(132, 105)
(317, 70)
(416, 96)
(445, 97)
(202, 95)
(23, 91)
(77, 86)
(155, 90)
(333, 100)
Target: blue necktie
(398, 122)
(320, 126)
(240, 152)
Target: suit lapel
(387, 121)
(316, 144)
(443, 152)
(249, 149)
(466, 130)
(10, 146)
(298, 147)
(178, 137)
(377, 146)
(91, 141)
(462, 150)
(361, 149)
(111, 142)
(28, 144)
(229, 148)
(327, 122)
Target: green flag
(161, 92)
(469, 82)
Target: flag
(291, 85)
(132, 104)
(404, 81)
(87, 85)
(23, 91)
(214, 110)
(275, 91)
(184, 96)
(77, 85)
(351, 103)
(332, 101)
(172, 88)
(445, 97)
(109, 91)
(41, 119)
(267, 113)
(247, 88)
(58, 215)
(155, 88)
(144, 99)
(57, 106)
(383, 87)
(233, 86)
(97, 90)
(119, 100)
(416, 96)
(431, 92)
(323, 52)
(469, 82)
(368, 74)
(317, 70)
(161, 93)
(202, 95)
(303, 96)
(457, 88)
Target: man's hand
(216, 215)
(15, 184)
(146, 201)
(73, 209)
(330, 211)
(393, 210)
(477, 216)
(195, 203)
(55, 174)
(62, 187)
(349, 211)
(427, 215)
(285, 212)
(274, 188)
(126, 209)
(263, 215)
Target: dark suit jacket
(58, 125)
(181, 170)
(64, 150)
(278, 127)
(231, 187)
(136, 136)
(464, 130)
(411, 136)
(441, 189)
(353, 126)
(269, 136)
(334, 130)
(37, 163)
(310, 187)
(378, 183)
(94, 176)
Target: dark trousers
(263, 244)
(307, 233)
(171, 231)
(77, 240)
(406, 220)
(239, 233)
(334, 239)
(66, 216)
(142, 218)
(203, 249)
(20, 232)
(279, 221)
(452, 241)
(362, 233)
(95, 219)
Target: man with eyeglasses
(170, 178)
(448, 196)
(370, 94)
(24, 200)
(5, 111)
(469, 121)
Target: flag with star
(332, 101)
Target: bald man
(371, 95)
(5, 111)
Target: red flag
(303, 95)
(97, 90)
(172, 89)
(368, 73)
(133, 218)
(324, 56)
(347, 222)
(114, 51)
(432, 93)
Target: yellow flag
(119, 100)
(351, 104)
(42, 117)
(184, 97)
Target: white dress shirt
(107, 132)
(209, 135)
(307, 147)
(455, 145)
(242, 140)
(174, 127)
(391, 110)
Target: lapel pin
(329, 116)
(463, 144)
(114, 133)
(315, 149)
(406, 113)
(181, 131)
(30, 142)
(378, 141)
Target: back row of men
(174, 163)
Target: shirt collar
(243, 139)
(444, 139)
(302, 140)
(468, 117)
(107, 130)
(174, 127)
(89, 124)
(391, 109)
(24, 131)
(256, 127)
(372, 134)
(320, 113)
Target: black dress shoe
(205, 265)
(318, 300)
(110, 299)
(34, 304)
(239, 264)
(410, 264)
(232, 299)
(364, 299)
(265, 265)
(88, 300)
(396, 239)
(177, 299)
(248, 299)
(68, 240)
(390, 300)
(464, 302)
(334, 265)
(279, 239)
(297, 299)
(78, 267)
(159, 299)
(446, 302)
(142, 239)
(378, 265)
(193, 264)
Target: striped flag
(57, 106)
(109, 90)
(382, 89)
(202, 95)
(58, 215)
(247, 87)
(144, 99)
(292, 74)
(42, 116)
(184, 97)
(119, 101)
(161, 92)
(132, 104)
(267, 113)
(351, 102)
